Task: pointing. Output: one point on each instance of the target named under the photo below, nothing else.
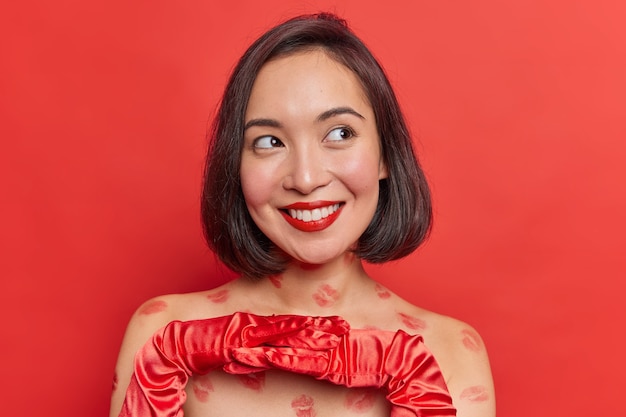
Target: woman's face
(311, 159)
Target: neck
(320, 290)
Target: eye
(340, 133)
(267, 142)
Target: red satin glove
(397, 362)
(180, 349)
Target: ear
(382, 170)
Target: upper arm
(149, 317)
(468, 373)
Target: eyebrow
(335, 111)
(262, 122)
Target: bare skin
(312, 139)
(362, 302)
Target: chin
(317, 259)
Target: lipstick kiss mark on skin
(326, 296)
(254, 381)
(155, 306)
(303, 406)
(412, 322)
(218, 297)
(309, 267)
(276, 280)
(360, 400)
(476, 394)
(202, 387)
(382, 292)
(115, 380)
(471, 340)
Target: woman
(311, 171)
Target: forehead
(309, 80)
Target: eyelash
(276, 143)
(351, 133)
(273, 141)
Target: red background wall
(518, 112)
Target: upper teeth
(313, 215)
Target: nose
(306, 170)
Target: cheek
(360, 173)
(256, 185)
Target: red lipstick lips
(324, 212)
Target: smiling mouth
(312, 215)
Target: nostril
(306, 182)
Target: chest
(278, 394)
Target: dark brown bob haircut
(403, 216)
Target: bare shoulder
(461, 351)
(159, 311)
(153, 315)
(461, 354)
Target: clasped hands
(322, 347)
